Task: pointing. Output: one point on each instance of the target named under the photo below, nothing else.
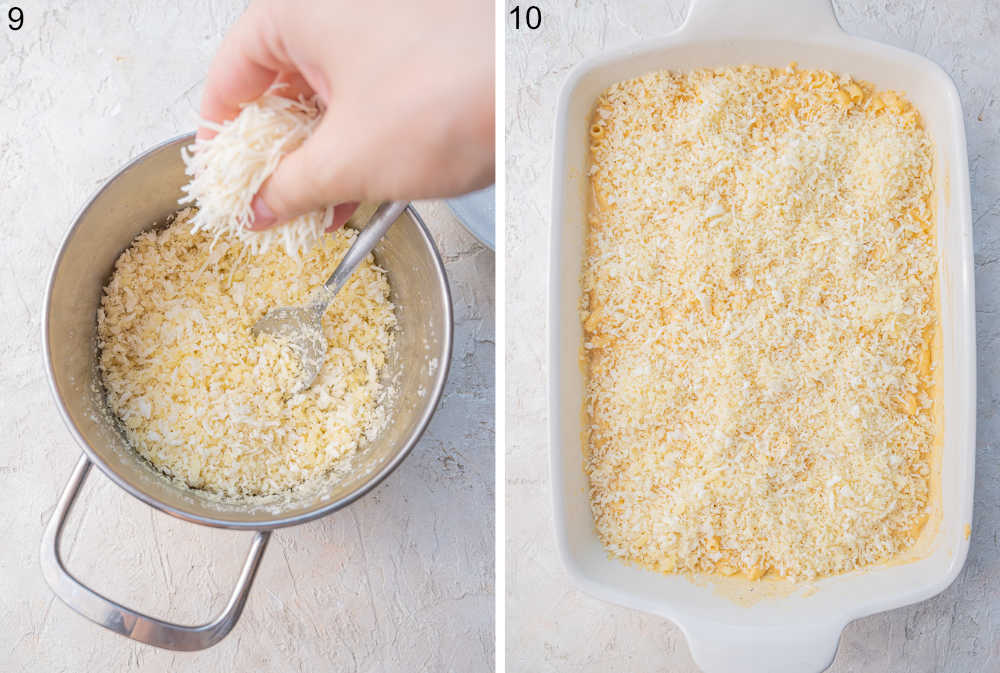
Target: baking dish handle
(121, 619)
(801, 648)
(752, 18)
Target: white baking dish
(796, 632)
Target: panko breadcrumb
(758, 308)
(208, 403)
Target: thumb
(305, 180)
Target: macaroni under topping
(759, 309)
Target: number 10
(532, 17)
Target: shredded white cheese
(208, 403)
(227, 171)
(758, 309)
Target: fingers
(264, 218)
(233, 78)
(304, 180)
(250, 59)
(342, 214)
(293, 85)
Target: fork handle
(367, 239)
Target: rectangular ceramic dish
(789, 631)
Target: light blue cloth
(477, 211)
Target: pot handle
(751, 18)
(800, 648)
(121, 619)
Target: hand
(408, 90)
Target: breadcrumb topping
(208, 403)
(758, 307)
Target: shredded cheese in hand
(227, 171)
(758, 310)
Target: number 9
(16, 18)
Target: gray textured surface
(400, 581)
(550, 625)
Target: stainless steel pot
(140, 195)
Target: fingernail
(341, 214)
(263, 216)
